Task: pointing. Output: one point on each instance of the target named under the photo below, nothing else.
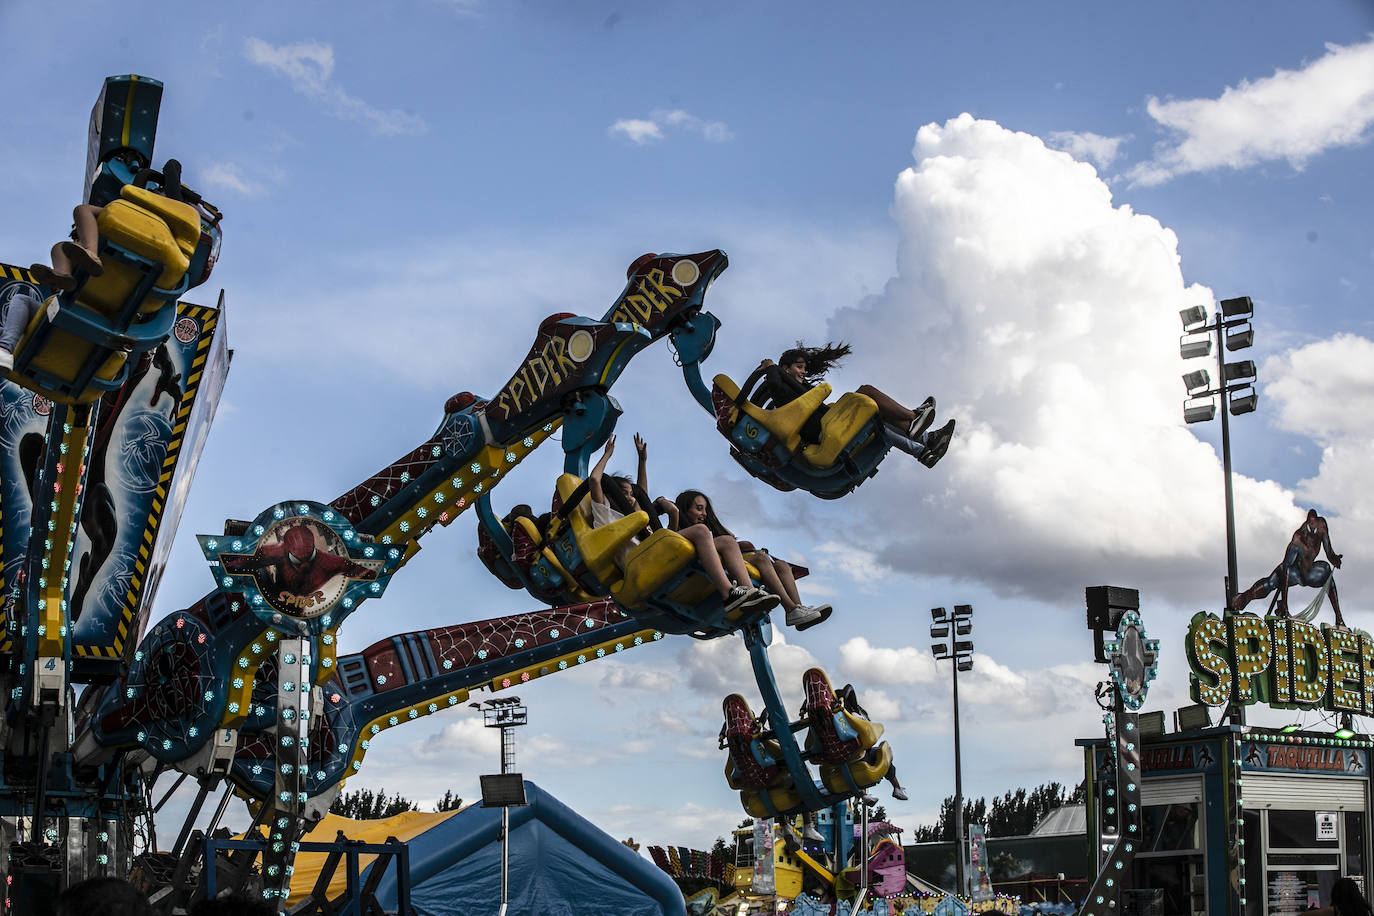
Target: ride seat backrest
(162, 230)
(525, 537)
(599, 546)
(743, 768)
(844, 421)
(783, 422)
(824, 713)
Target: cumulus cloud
(309, 67)
(879, 665)
(1095, 148)
(1292, 115)
(1325, 390)
(643, 131)
(1043, 316)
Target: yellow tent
(404, 826)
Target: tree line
(366, 805)
(1015, 813)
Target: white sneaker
(6, 359)
(802, 614)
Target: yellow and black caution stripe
(207, 319)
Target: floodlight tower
(1232, 329)
(505, 713)
(949, 628)
(508, 789)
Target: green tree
(364, 805)
(449, 802)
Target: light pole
(508, 789)
(948, 628)
(1232, 330)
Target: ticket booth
(1240, 820)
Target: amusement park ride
(102, 416)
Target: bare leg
(788, 580)
(700, 538)
(730, 555)
(888, 409)
(65, 255)
(87, 232)
(768, 574)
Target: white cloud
(878, 665)
(636, 130)
(309, 66)
(718, 667)
(1325, 390)
(1095, 148)
(714, 131)
(228, 176)
(1292, 115)
(629, 677)
(1043, 318)
(642, 131)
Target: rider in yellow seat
(714, 563)
(801, 368)
(159, 227)
(693, 508)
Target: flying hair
(819, 360)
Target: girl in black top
(801, 368)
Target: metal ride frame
(244, 690)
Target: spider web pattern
(468, 644)
(357, 504)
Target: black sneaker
(925, 415)
(937, 443)
(760, 599)
(740, 596)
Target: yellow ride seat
(782, 800)
(652, 563)
(784, 422)
(599, 546)
(162, 230)
(841, 423)
(864, 773)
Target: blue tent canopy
(560, 865)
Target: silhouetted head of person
(102, 897)
(1347, 899)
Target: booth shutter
(1174, 790)
(1303, 793)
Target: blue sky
(1001, 204)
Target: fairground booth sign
(1241, 819)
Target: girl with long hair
(801, 368)
(615, 497)
(693, 508)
